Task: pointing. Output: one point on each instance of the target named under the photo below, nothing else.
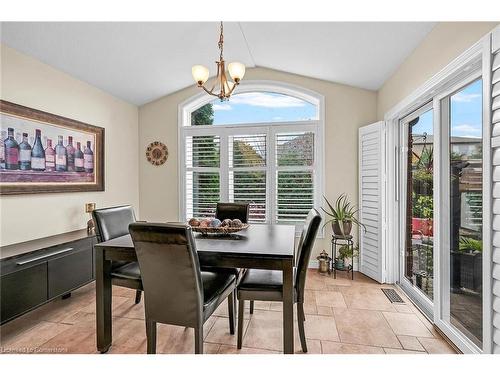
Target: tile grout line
(406, 335)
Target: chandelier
(222, 87)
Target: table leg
(103, 301)
(288, 301)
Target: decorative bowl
(219, 230)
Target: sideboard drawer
(23, 290)
(69, 271)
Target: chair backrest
(112, 222)
(304, 250)
(170, 271)
(232, 211)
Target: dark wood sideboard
(35, 272)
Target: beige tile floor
(342, 316)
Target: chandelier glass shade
(221, 87)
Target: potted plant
(470, 262)
(423, 210)
(342, 216)
(346, 252)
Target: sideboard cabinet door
(23, 290)
(70, 271)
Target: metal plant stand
(340, 241)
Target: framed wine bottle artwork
(46, 153)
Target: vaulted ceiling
(142, 61)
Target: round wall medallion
(157, 153)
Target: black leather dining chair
(267, 285)
(176, 291)
(232, 211)
(110, 223)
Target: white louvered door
(495, 143)
(371, 200)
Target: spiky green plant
(467, 244)
(343, 211)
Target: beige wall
(445, 42)
(346, 109)
(31, 83)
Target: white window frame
(269, 128)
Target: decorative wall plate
(157, 153)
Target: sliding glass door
(417, 269)
(441, 211)
(462, 197)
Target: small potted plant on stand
(346, 252)
(342, 216)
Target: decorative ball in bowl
(216, 226)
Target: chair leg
(251, 307)
(138, 294)
(151, 336)
(241, 309)
(231, 304)
(198, 339)
(300, 321)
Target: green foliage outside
(468, 244)
(423, 206)
(203, 115)
(422, 180)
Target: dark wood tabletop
(270, 241)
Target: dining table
(260, 246)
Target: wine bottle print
(25, 154)
(38, 153)
(3, 137)
(88, 158)
(11, 151)
(61, 156)
(50, 157)
(71, 154)
(79, 158)
(43, 152)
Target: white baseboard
(313, 263)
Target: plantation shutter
(247, 173)
(294, 176)
(371, 200)
(495, 143)
(202, 175)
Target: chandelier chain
(221, 41)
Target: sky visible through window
(466, 117)
(466, 111)
(259, 107)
